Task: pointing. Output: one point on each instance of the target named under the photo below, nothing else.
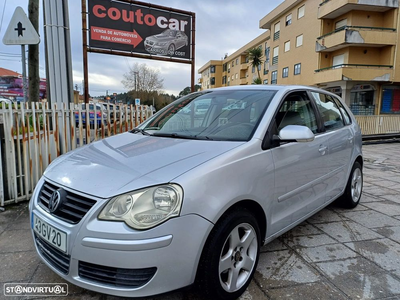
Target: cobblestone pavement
(336, 254)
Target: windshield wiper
(142, 131)
(179, 136)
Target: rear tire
(353, 191)
(230, 256)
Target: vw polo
(190, 197)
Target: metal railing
(355, 28)
(275, 60)
(353, 65)
(277, 35)
(33, 136)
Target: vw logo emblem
(55, 200)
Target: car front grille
(117, 277)
(73, 208)
(53, 256)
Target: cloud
(221, 27)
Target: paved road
(336, 254)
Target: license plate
(53, 236)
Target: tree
(141, 78)
(187, 90)
(255, 59)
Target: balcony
(347, 35)
(200, 80)
(354, 72)
(243, 80)
(331, 9)
(244, 66)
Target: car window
(296, 110)
(329, 111)
(217, 115)
(345, 114)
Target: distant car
(110, 108)
(99, 114)
(176, 201)
(5, 100)
(166, 42)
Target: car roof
(275, 87)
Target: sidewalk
(336, 254)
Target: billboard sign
(131, 27)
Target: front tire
(353, 191)
(230, 256)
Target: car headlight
(146, 208)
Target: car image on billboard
(166, 42)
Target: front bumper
(170, 251)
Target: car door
(299, 167)
(341, 139)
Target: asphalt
(336, 254)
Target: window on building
(229, 68)
(285, 72)
(340, 23)
(297, 69)
(237, 61)
(267, 50)
(233, 63)
(275, 55)
(287, 46)
(274, 77)
(223, 79)
(277, 30)
(212, 69)
(300, 12)
(265, 81)
(299, 40)
(236, 76)
(338, 61)
(224, 67)
(259, 67)
(253, 69)
(266, 65)
(233, 77)
(288, 20)
(212, 81)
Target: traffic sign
(137, 101)
(20, 31)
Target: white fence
(32, 137)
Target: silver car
(190, 198)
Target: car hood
(127, 162)
(160, 38)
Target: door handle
(350, 139)
(322, 149)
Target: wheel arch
(256, 210)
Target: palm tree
(255, 55)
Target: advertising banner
(134, 28)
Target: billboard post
(138, 29)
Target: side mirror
(295, 133)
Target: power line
(2, 16)
(10, 53)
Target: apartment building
(348, 47)
(235, 69)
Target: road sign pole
(24, 85)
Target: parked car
(5, 100)
(99, 114)
(176, 202)
(166, 42)
(110, 108)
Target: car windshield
(169, 32)
(229, 115)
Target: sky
(222, 26)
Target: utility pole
(33, 54)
